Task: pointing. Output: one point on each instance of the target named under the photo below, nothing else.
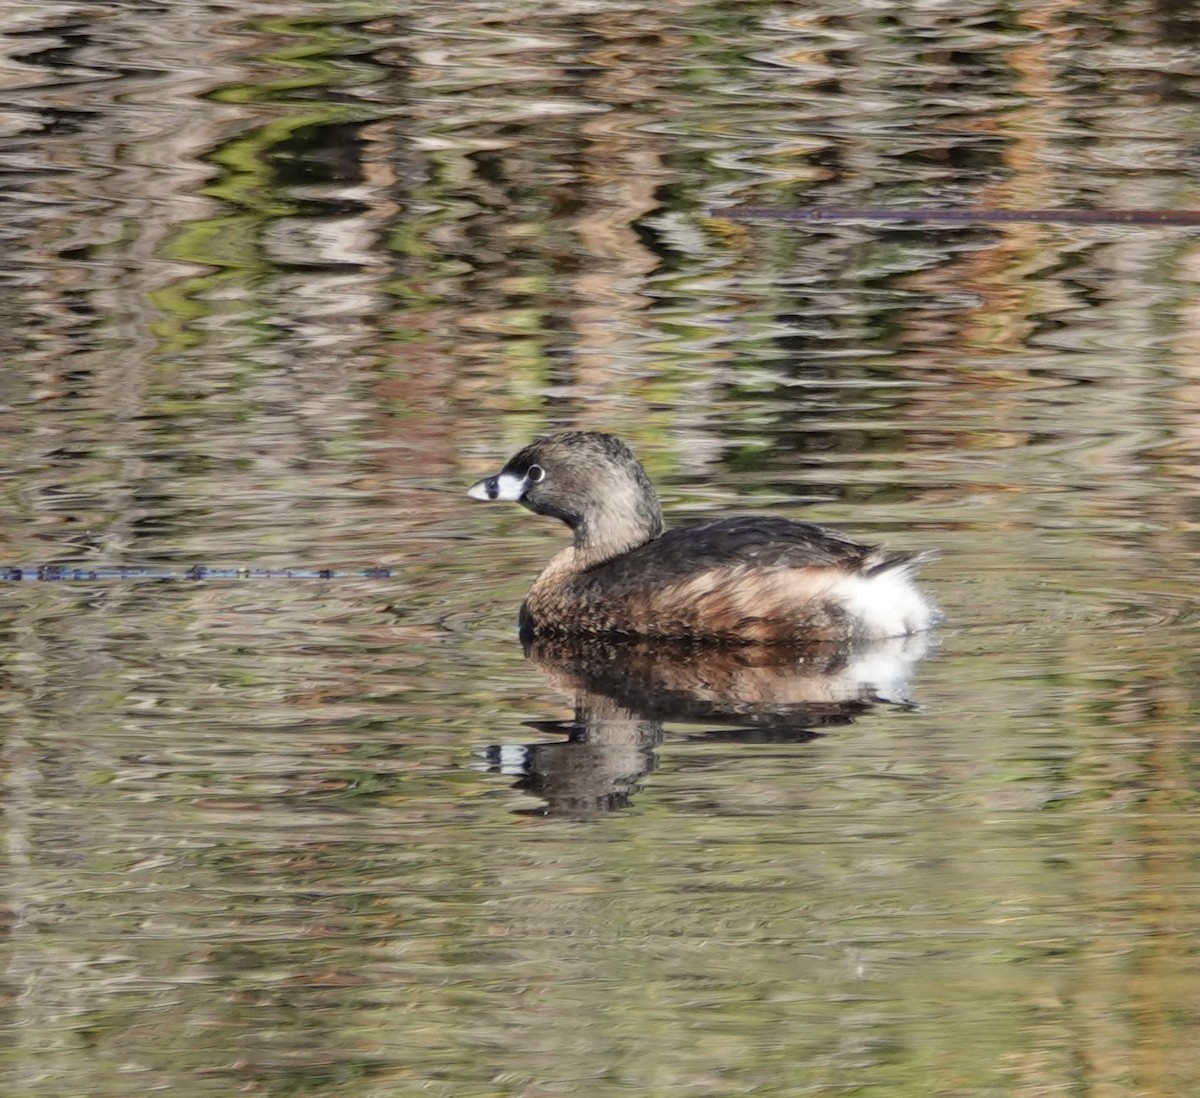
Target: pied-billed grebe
(750, 580)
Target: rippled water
(281, 279)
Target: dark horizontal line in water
(956, 215)
(48, 572)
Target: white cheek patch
(503, 486)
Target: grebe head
(591, 481)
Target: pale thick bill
(503, 486)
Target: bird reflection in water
(624, 691)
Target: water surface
(282, 279)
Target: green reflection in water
(233, 246)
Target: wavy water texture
(282, 278)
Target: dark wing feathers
(885, 560)
(757, 540)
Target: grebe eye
(535, 474)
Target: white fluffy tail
(884, 599)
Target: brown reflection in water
(621, 164)
(1050, 142)
(529, 155)
(624, 691)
